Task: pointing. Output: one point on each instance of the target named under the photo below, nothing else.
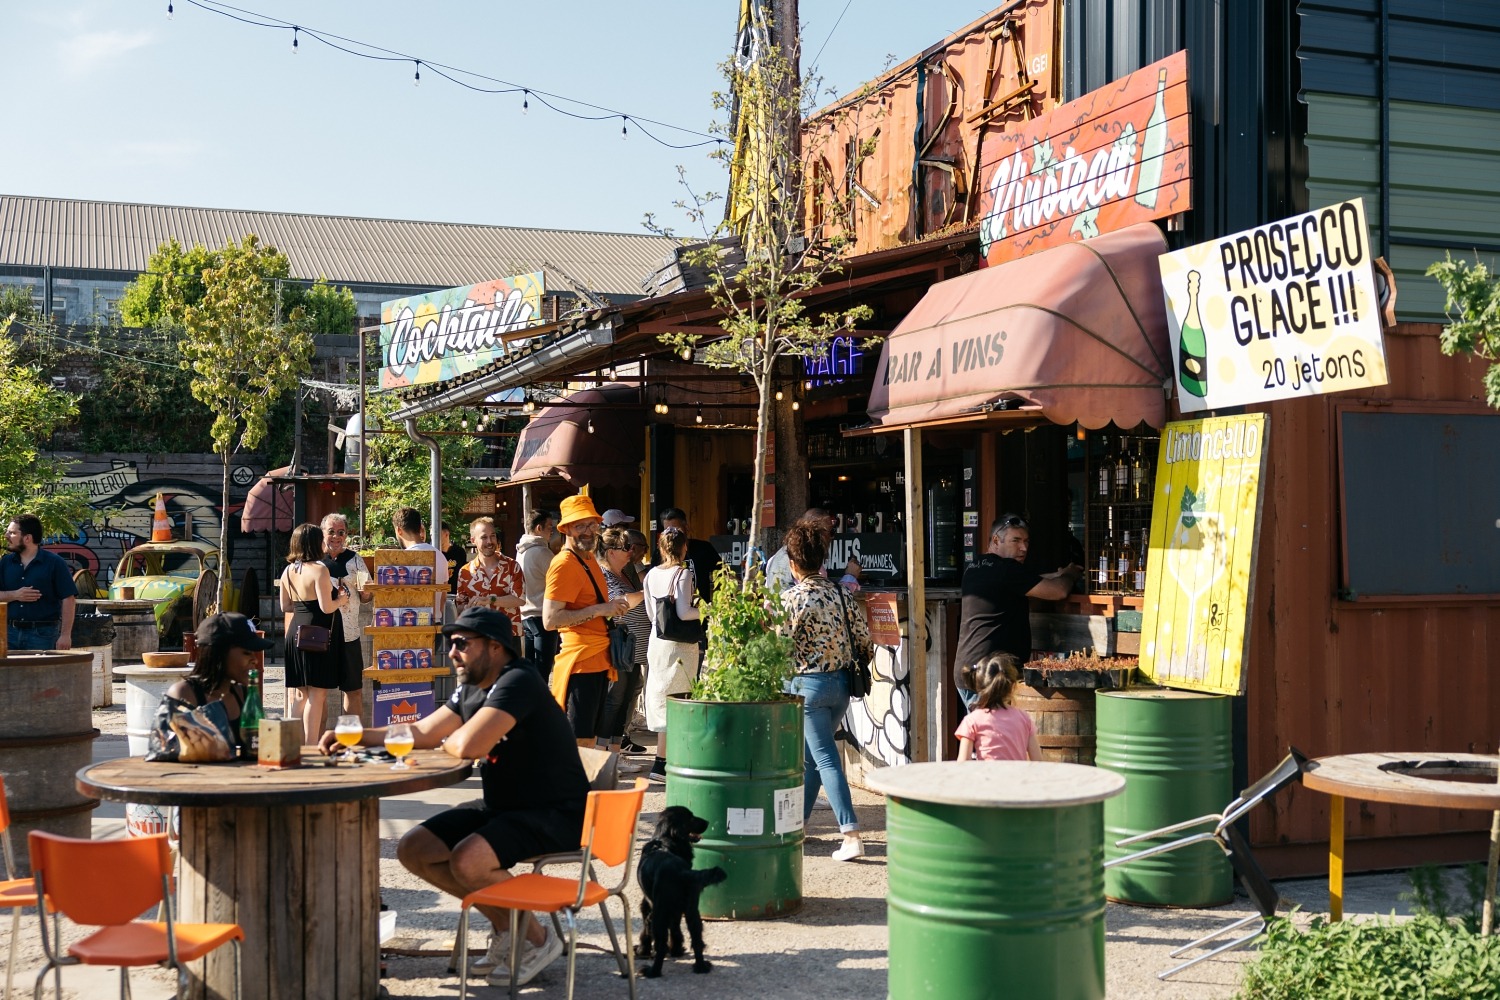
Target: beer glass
(399, 742)
(348, 731)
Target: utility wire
(831, 30)
(377, 53)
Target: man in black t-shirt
(535, 788)
(994, 616)
(702, 558)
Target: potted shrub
(735, 754)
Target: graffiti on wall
(881, 722)
(124, 497)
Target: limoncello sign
(1205, 517)
(1286, 309)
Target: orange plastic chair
(16, 893)
(107, 884)
(609, 823)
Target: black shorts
(586, 697)
(352, 674)
(513, 834)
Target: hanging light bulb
(525, 101)
(529, 407)
(416, 80)
(699, 418)
(687, 353)
(779, 395)
(294, 39)
(169, 10)
(465, 423)
(796, 405)
(591, 423)
(624, 132)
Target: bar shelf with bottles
(861, 482)
(1119, 477)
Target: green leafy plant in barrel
(748, 659)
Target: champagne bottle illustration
(1153, 146)
(1192, 345)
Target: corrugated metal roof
(119, 236)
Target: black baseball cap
(490, 624)
(231, 629)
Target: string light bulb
(416, 80)
(295, 29)
(525, 101)
(624, 132)
(687, 353)
(699, 418)
(529, 407)
(780, 395)
(169, 10)
(796, 405)
(591, 423)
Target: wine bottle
(1121, 487)
(1106, 472)
(251, 715)
(1140, 564)
(1140, 487)
(1153, 147)
(1192, 347)
(1125, 565)
(1105, 575)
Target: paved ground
(835, 947)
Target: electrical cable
(379, 53)
(831, 30)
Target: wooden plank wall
(1337, 677)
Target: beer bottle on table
(251, 715)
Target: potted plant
(735, 756)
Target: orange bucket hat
(576, 508)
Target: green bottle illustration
(1192, 346)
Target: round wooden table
(1412, 779)
(292, 856)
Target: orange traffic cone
(161, 524)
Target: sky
(122, 103)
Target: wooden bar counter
(292, 856)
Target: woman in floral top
(817, 612)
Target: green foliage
(1473, 308)
(30, 410)
(748, 659)
(148, 404)
(1424, 958)
(173, 280)
(400, 469)
(329, 309)
(1429, 894)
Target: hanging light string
(453, 74)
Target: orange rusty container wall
(1000, 70)
(1333, 676)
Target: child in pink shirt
(994, 730)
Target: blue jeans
(825, 699)
(39, 637)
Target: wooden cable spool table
(1412, 779)
(292, 856)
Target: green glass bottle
(251, 715)
(1192, 347)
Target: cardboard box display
(280, 742)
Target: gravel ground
(835, 946)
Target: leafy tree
(1473, 307)
(242, 354)
(401, 469)
(30, 410)
(763, 315)
(329, 310)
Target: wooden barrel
(135, 629)
(46, 736)
(1064, 720)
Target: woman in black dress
(310, 597)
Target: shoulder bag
(669, 625)
(311, 638)
(860, 678)
(621, 643)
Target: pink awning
(557, 444)
(268, 506)
(1075, 333)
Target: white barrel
(144, 687)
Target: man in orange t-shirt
(575, 604)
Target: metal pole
(926, 709)
(436, 480)
(363, 423)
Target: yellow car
(182, 578)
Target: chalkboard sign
(1421, 503)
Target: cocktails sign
(1114, 157)
(1283, 310)
(440, 335)
(1205, 518)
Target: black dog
(671, 887)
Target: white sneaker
(850, 850)
(535, 958)
(496, 957)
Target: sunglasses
(1011, 521)
(461, 642)
(337, 534)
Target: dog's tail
(709, 876)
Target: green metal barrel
(996, 884)
(1173, 750)
(739, 766)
